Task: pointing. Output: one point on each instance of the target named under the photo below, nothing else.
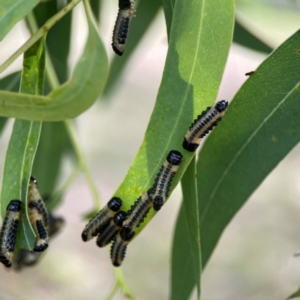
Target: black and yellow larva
(101, 220)
(27, 258)
(163, 180)
(119, 246)
(38, 216)
(137, 213)
(125, 13)
(203, 124)
(109, 232)
(9, 232)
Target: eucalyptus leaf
(186, 252)
(261, 126)
(23, 144)
(186, 89)
(72, 98)
(13, 11)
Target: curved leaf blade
(23, 144)
(70, 99)
(184, 92)
(260, 128)
(186, 252)
(13, 11)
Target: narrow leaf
(187, 272)
(72, 98)
(168, 11)
(13, 11)
(23, 144)
(185, 91)
(261, 127)
(294, 295)
(146, 12)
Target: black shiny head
(124, 4)
(14, 205)
(158, 203)
(174, 157)
(32, 179)
(119, 218)
(191, 147)
(125, 235)
(221, 105)
(84, 236)
(114, 204)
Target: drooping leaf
(168, 11)
(13, 11)
(146, 12)
(72, 98)
(186, 89)
(260, 128)
(186, 252)
(243, 37)
(23, 144)
(271, 24)
(96, 6)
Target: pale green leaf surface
(70, 99)
(272, 24)
(12, 11)
(190, 83)
(186, 252)
(259, 129)
(23, 144)
(294, 295)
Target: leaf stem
(38, 34)
(113, 291)
(122, 284)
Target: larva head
(119, 218)
(221, 105)
(124, 4)
(158, 203)
(174, 157)
(33, 180)
(14, 205)
(114, 204)
(126, 235)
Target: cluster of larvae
(112, 224)
(43, 224)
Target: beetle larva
(108, 233)
(137, 213)
(125, 13)
(203, 124)
(9, 232)
(118, 248)
(97, 223)
(37, 223)
(163, 180)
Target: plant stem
(38, 34)
(113, 291)
(122, 284)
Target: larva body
(137, 213)
(9, 232)
(34, 195)
(37, 223)
(126, 12)
(30, 258)
(109, 232)
(119, 246)
(163, 181)
(203, 124)
(101, 220)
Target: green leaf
(243, 37)
(72, 98)
(168, 11)
(54, 142)
(96, 6)
(186, 252)
(190, 83)
(294, 295)
(271, 24)
(9, 83)
(23, 144)
(146, 12)
(261, 126)
(13, 11)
